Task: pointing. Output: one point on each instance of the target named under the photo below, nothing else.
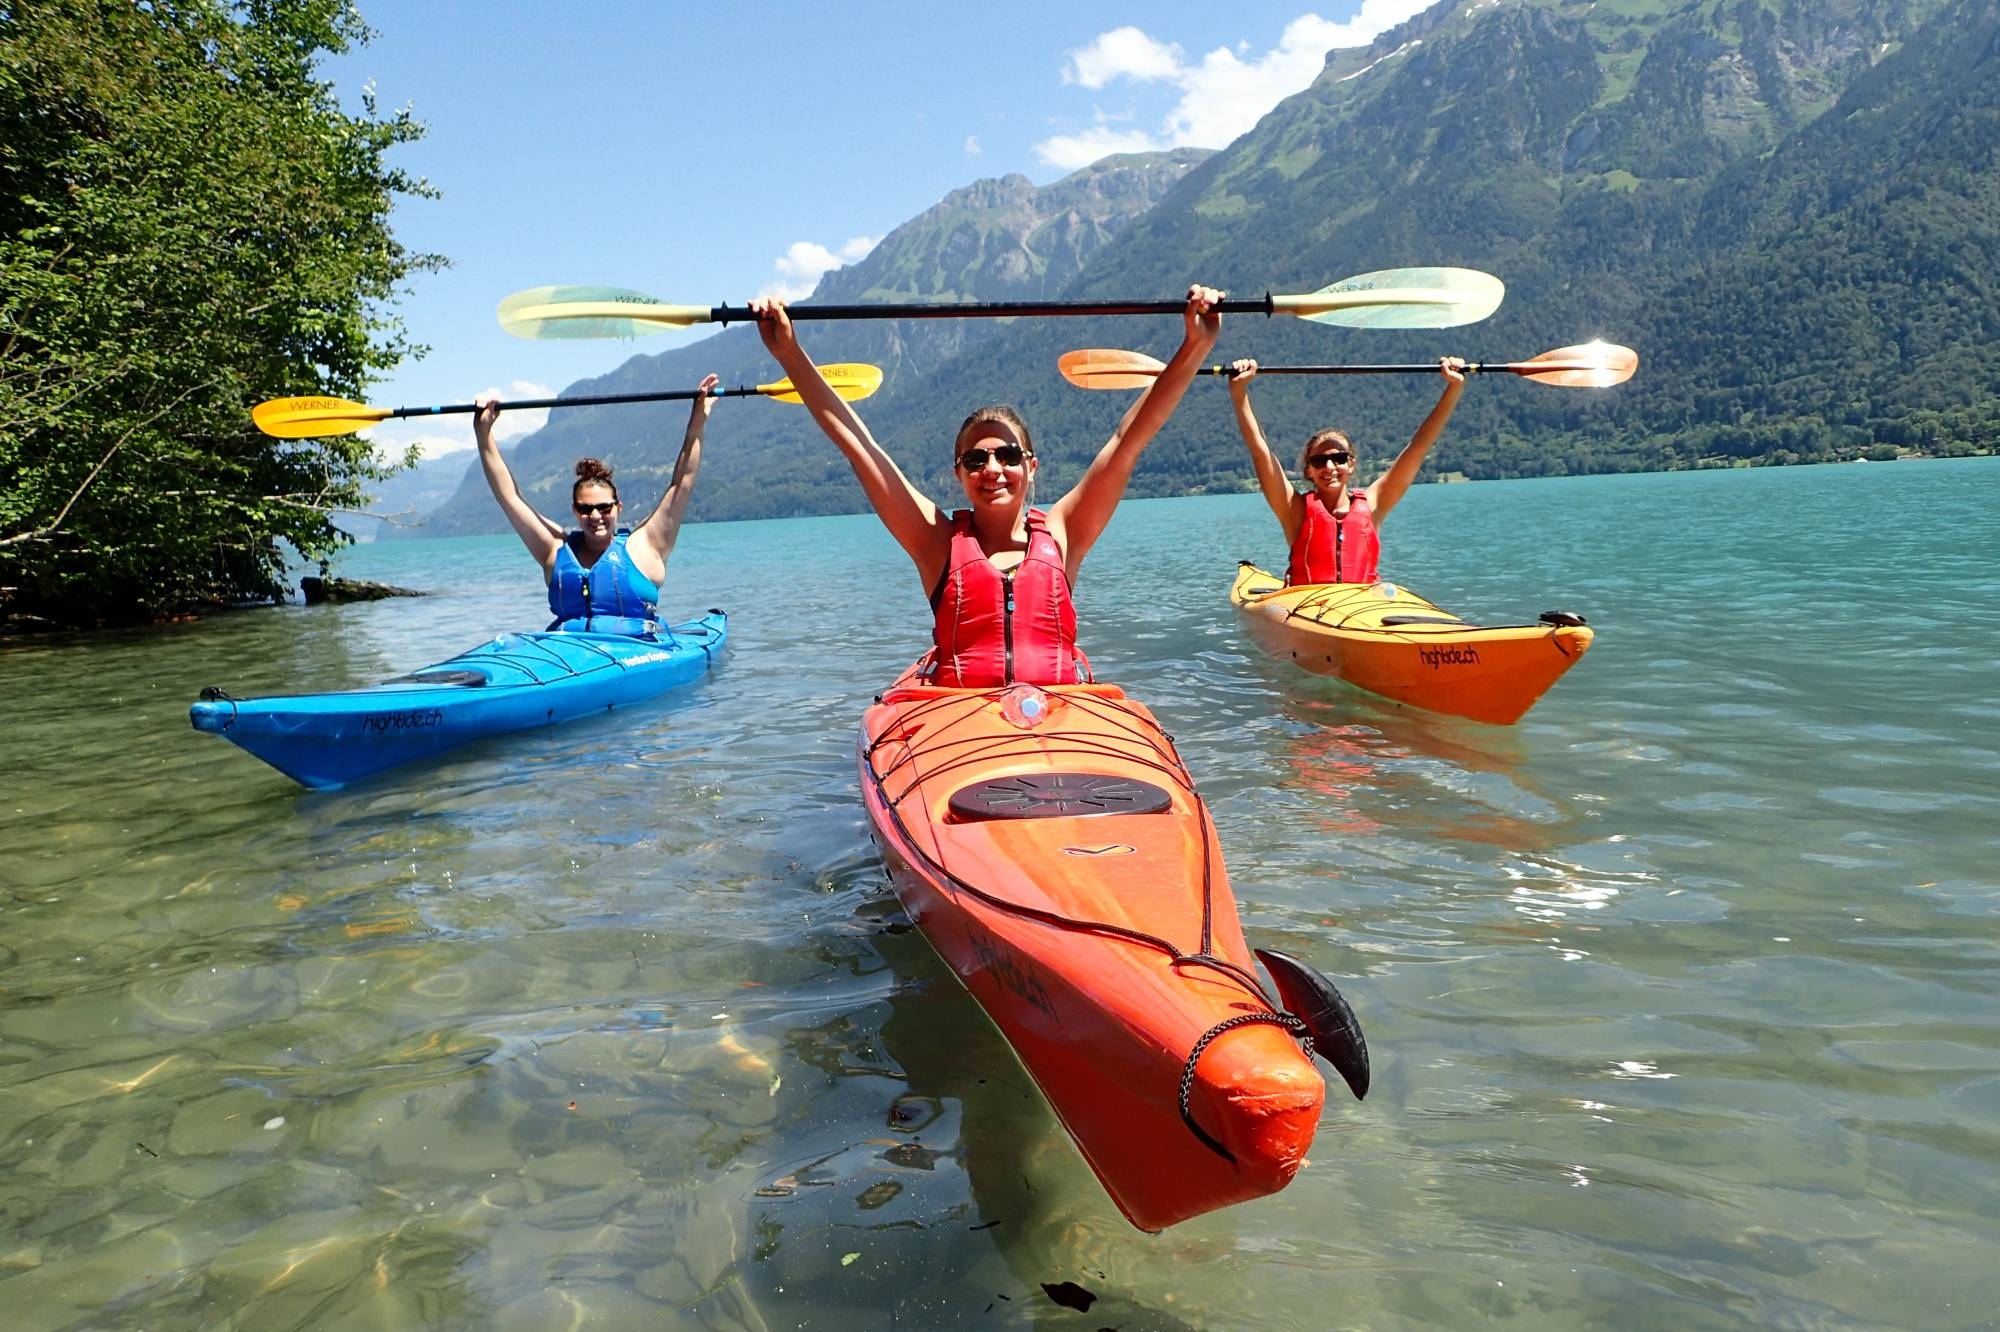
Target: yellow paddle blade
(851, 381)
(1400, 298)
(314, 418)
(592, 312)
(1109, 368)
(1590, 365)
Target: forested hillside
(1791, 209)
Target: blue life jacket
(609, 597)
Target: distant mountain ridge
(1846, 216)
(1790, 207)
(999, 239)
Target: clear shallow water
(1682, 993)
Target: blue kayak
(512, 683)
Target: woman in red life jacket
(601, 578)
(998, 573)
(1331, 528)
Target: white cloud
(1223, 94)
(1122, 53)
(804, 263)
(438, 435)
(1070, 151)
(972, 148)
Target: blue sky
(705, 153)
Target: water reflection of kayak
(1389, 641)
(1050, 844)
(512, 683)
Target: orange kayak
(1390, 641)
(1051, 846)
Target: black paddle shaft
(742, 314)
(1421, 368)
(600, 400)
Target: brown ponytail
(591, 472)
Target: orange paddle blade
(1591, 365)
(1108, 368)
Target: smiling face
(994, 459)
(1327, 463)
(595, 505)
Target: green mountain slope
(1788, 210)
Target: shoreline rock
(337, 590)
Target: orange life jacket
(992, 628)
(1329, 549)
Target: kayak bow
(1051, 845)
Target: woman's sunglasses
(1335, 459)
(1010, 455)
(601, 510)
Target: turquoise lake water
(1683, 994)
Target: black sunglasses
(1010, 455)
(1322, 459)
(601, 510)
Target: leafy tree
(188, 223)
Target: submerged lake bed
(1681, 993)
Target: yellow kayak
(1390, 641)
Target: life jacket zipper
(1007, 625)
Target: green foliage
(188, 224)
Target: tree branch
(102, 463)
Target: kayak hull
(1051, 846)
(1387, 640)
(512, 683)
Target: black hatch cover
(1058, 795)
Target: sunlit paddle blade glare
(1590, 365)
(592, 312)
(852, 382)
(314, 418)
(1108, 368)
(1402, 298)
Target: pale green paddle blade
(1401, 298)
(592, 312)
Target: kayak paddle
(1590, 365)
(313, 418)
(1392, 298)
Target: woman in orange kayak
(601, 578)
(1331, 528)
(998, 572)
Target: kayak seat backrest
(1420, 619)
(470, 679)
(917, 693)
(1057, 795)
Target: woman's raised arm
(540, 535)
(918, 525)
(1079, 518)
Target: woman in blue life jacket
(601, 579)
(1330, 529)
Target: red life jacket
(1335, 550)
(992, 628)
